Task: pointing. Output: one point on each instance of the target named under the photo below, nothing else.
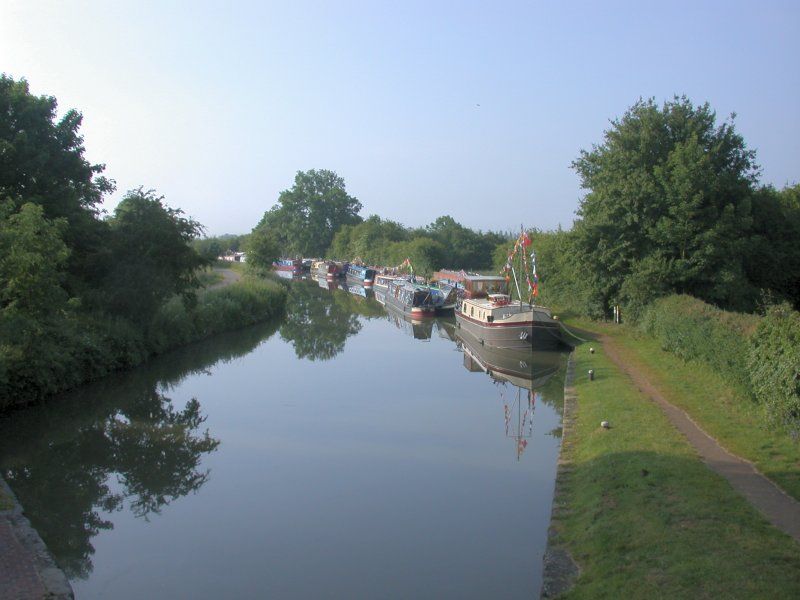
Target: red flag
(526, 240)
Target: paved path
(777, 506)
(27, 570)
(229, 276)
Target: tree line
(672, 204)
(316, 217)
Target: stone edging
(560, 570)
(55, 583)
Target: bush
(774, 366)
(42, 357)
(693, 329)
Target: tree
(151, 254)
(42, 162)
(32, 254)
(309, 214)
(464, 248)
(772, 260)
(668, 208)
(262, 248)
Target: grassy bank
(715, 403)
(645, 518)
(69, 350)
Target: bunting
(521, 244)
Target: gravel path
(229, 276)
(777, 506)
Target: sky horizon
(424, 109)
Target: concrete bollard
(591, 374)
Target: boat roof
(464, 276)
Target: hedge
(759, 355)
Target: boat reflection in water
(325, 283)
(420, 329)
(525, 371)
(356, 289)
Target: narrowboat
(410, 298)
(472, 285)
(325, 268)
(382, 281)
(288, 265)
(497, 322)
(361, 275)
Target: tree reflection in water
(318, 321)
(114, 444)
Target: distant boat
(382, 281)
(361, 275)
(325, 268)
(288, 265)
(410, 298)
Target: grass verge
(720, 408)
(646, 518)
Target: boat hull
(417, 312)
(539, 335)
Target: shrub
(774, 366)
(692, 329)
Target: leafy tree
(309, 214)
(667, 209)
(42, 162)
(152, 256)
(464, 248)
(426, 255)
(367, 241)
(772, 259)
(32, 253)
(262, 248)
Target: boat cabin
(474, 285)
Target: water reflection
(320, 318)
(516, 375)
(304, 494)
(113, 445)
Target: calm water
(342, 453)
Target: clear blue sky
(217, 105)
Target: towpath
(777, 506)
(27, 570)
(229, 276)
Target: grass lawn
(646, 518)
(721, 410)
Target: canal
(341, 453)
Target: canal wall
(27, 569)
(560, 570)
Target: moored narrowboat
(411, 299)
(497, 322)
(382, 281)
(361, 275)
(288, 265)
(325, 268)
